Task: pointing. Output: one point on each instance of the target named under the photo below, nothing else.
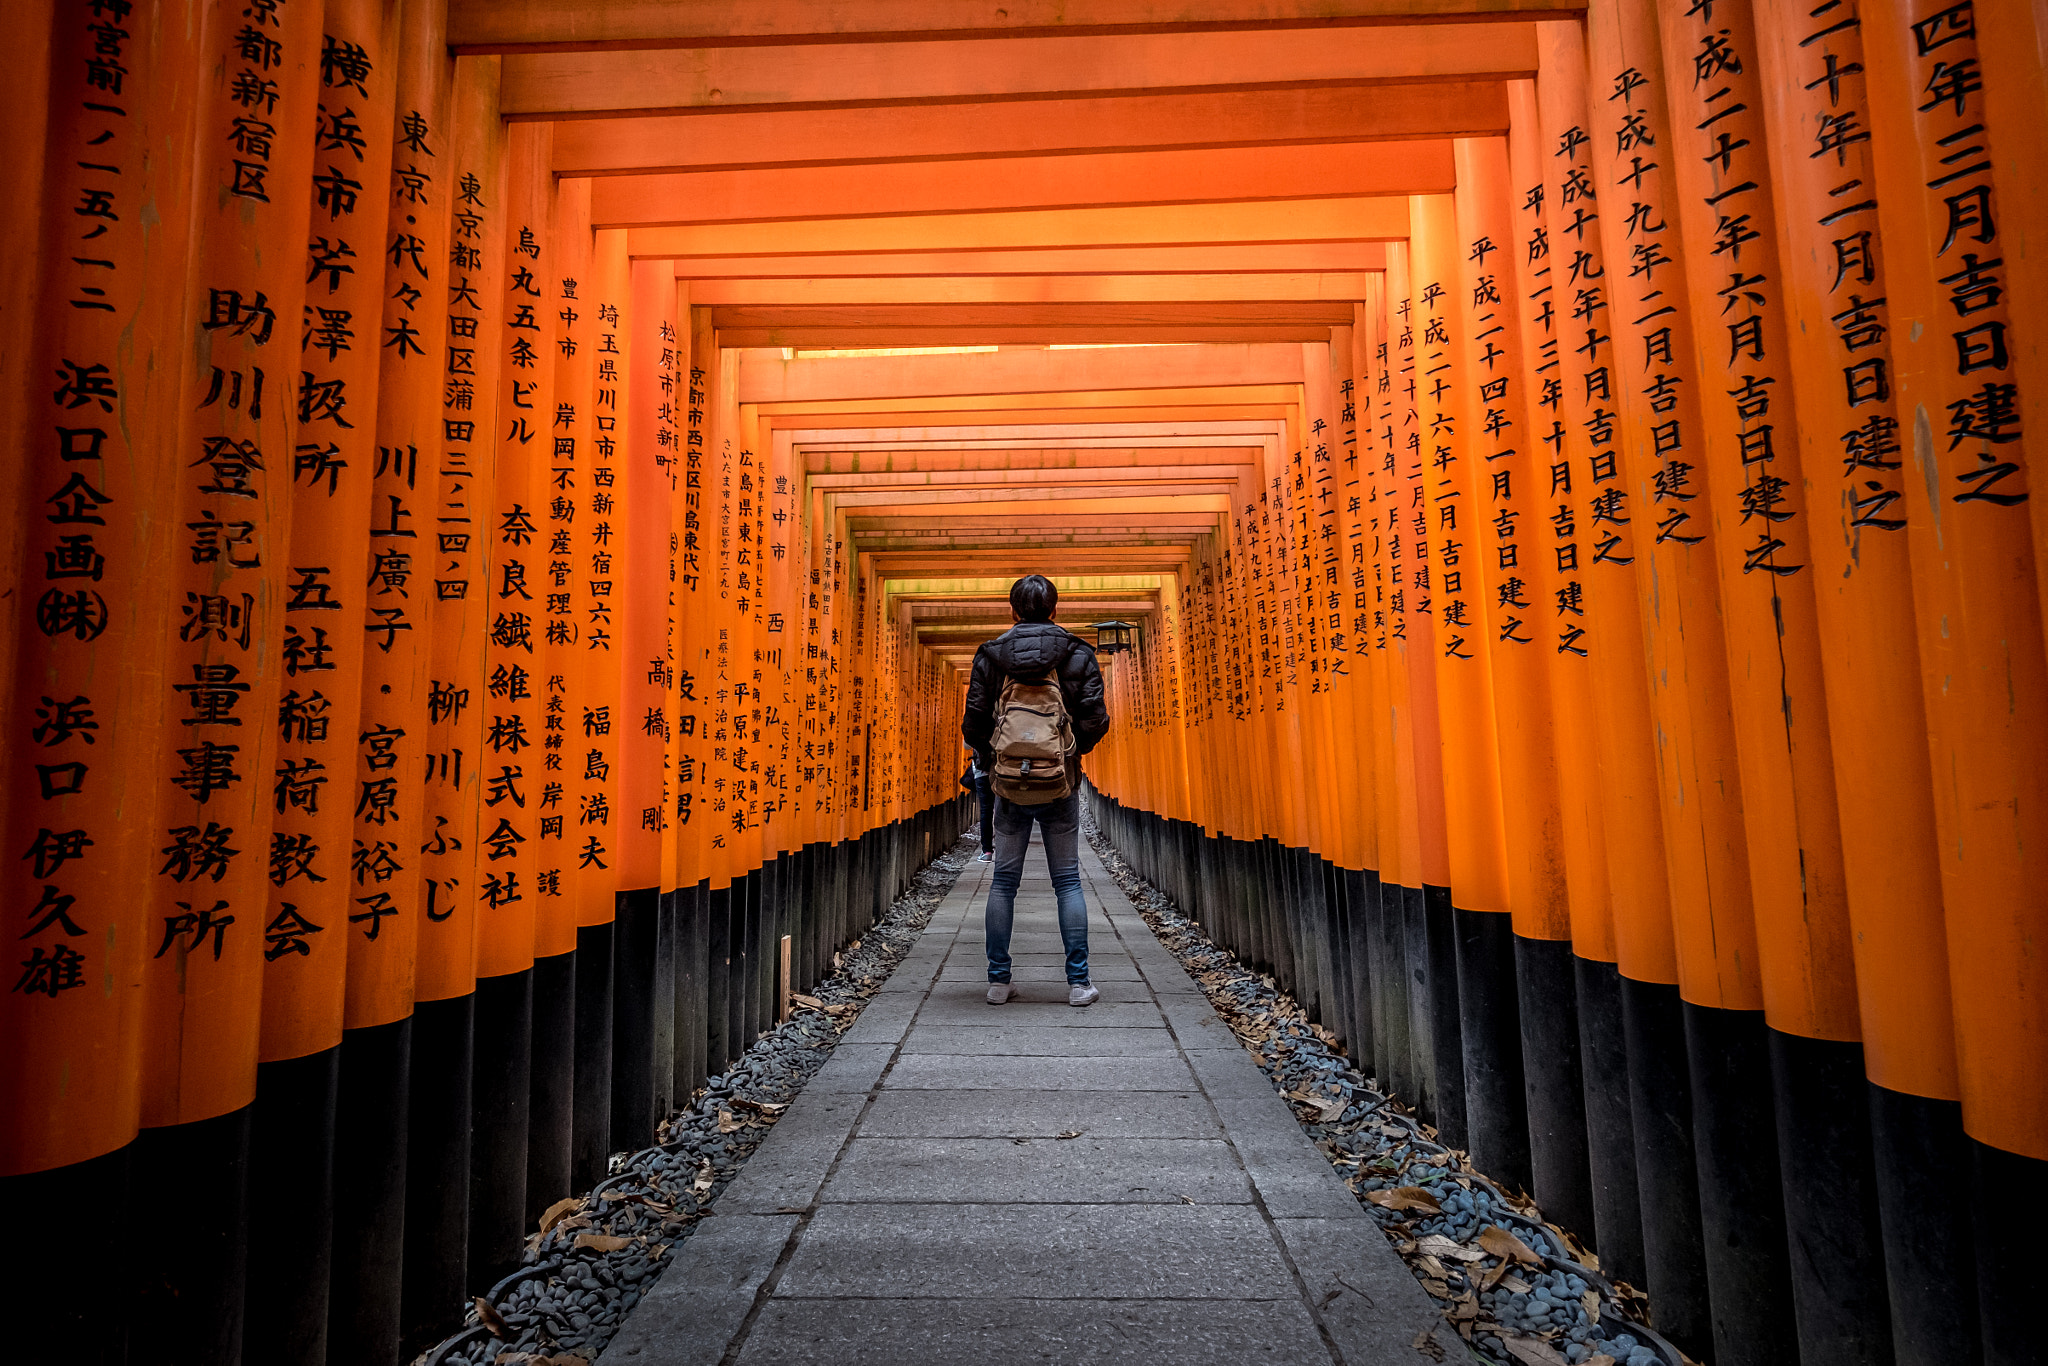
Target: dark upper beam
(717, 139)
(673, 81)
(568, 25)
(1230, 175)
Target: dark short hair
(1033, 598)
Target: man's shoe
(986, 857)
(998, 993)
(1080, 994)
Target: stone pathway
(1031, 1182)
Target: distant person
(1034, 707)
(975, 780)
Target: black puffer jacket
(1033, 650)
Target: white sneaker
(985, 856)
(998, 993)
(1081, 994)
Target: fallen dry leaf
(1068, 1133)
(1406, 1197)
(1436, 1245)
(1533, 1351)
(613, 1193)
(1497, 1275)
(808, 1002)
(1590, 1302)
(558, 1211)
(1514, 1284)
(726, 1122)
(1600, 1359)
(1499, 1242)
(1436, 1287)
(760, 1107)
(490, 1318)
(601, 1242)
(1426, 1343)
(1579, 1250)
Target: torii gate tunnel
(1566, 465)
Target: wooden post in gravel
(782, 1007)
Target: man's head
(1033, 598)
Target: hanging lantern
(1114, 637)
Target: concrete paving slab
(1048, 1251)
(853, 1069)
(947, 1071)
(1040, 1114)
(884, 1020)
(1110, 1171)
(1035, 1003)
(1293, 1178)
(1195, 1024)
(1061, 1332)
(1368, 1300)
(1170, 979)
(703, 1297)
(1046, 1041)
(786, 1171)
(1230, 1074)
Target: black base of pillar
(636, 948)
(661, 1059)
(1742, 1211)
(1840, 1307)
(1930, 1256)
(369, 1195)
(1547, 997)
(500, 1111)
(189, 1193)
(437, 1171)
(1447, 1020)
(688, 914)
(291, 1148)
(1360, 892)
(2011, 1205)
(590, 1126)
(718, 978)
(1421, 1015)
(551, 1087)
(748, 1026)
(1496, 1106)
(76, 1318)
(1660, 1095)
(1610, 1127)
(1394, 1019)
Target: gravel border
(596, 1254)
(1517, 1289)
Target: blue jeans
(1061, 822)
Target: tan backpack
(1032, 743)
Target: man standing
(1035, 650)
